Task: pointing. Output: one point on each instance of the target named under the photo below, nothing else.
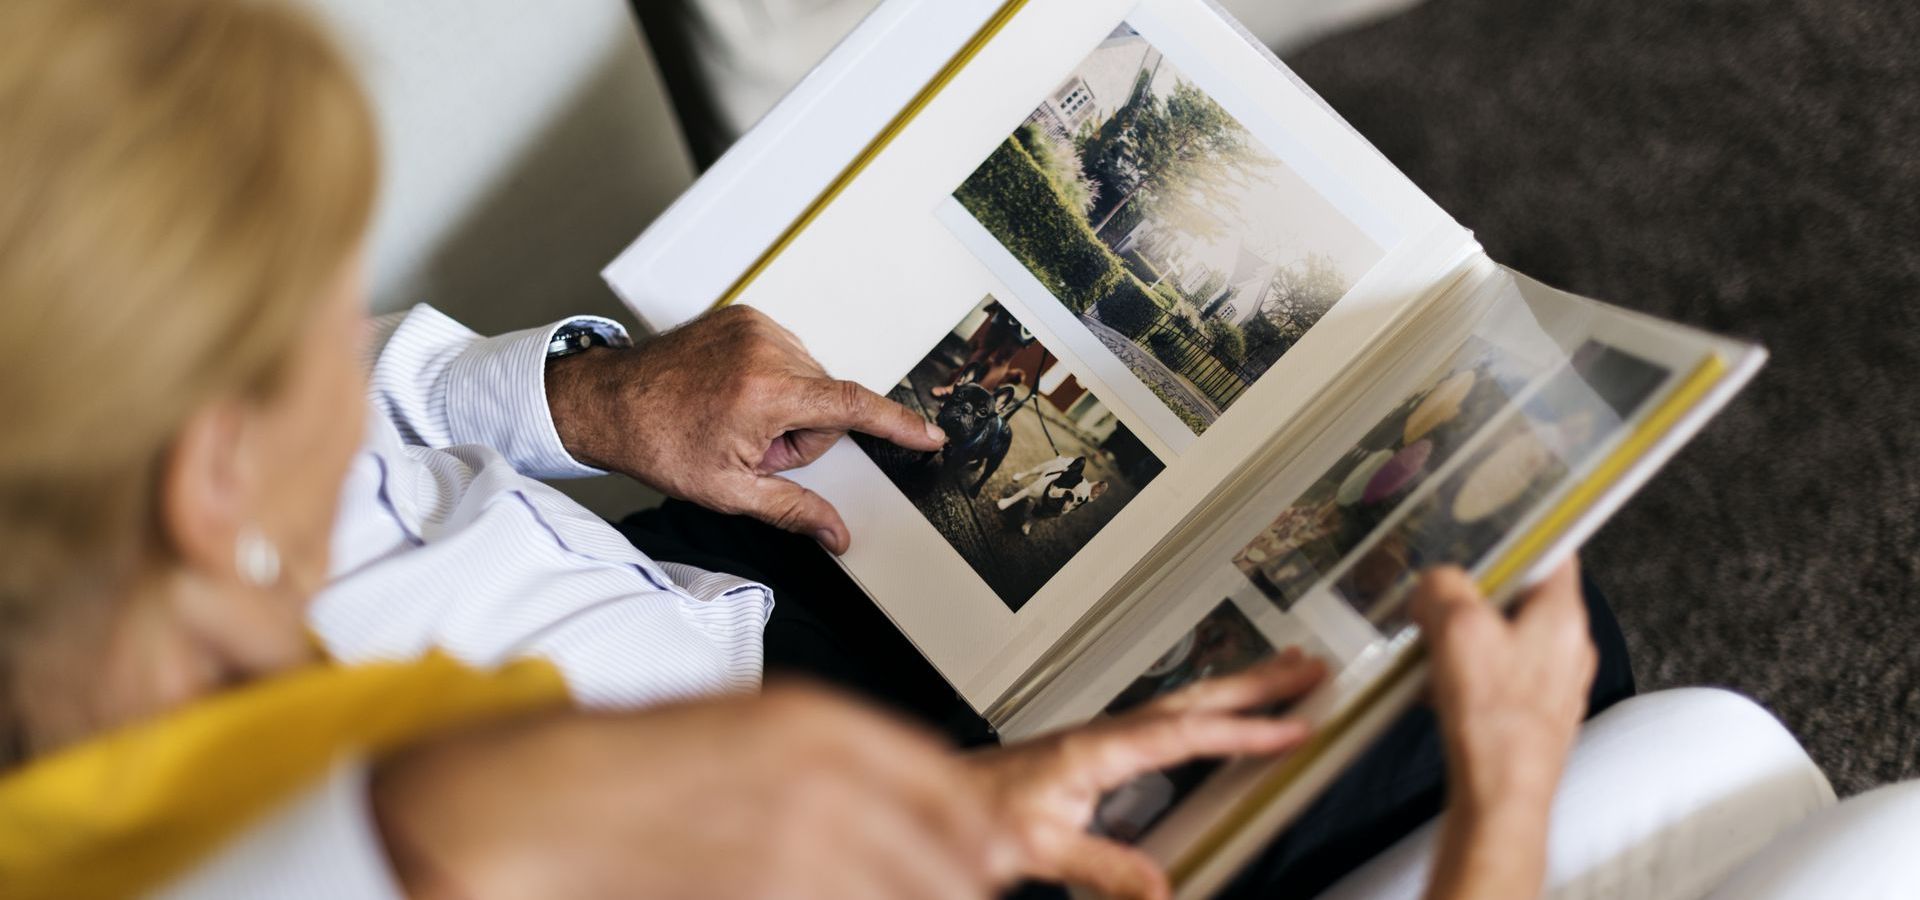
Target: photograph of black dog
(978, 433)
(1035, 465)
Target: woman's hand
(796, 793)
(1510, 696)
(793, 793)
(1042, 794)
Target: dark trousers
(824, 627)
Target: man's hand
(1510, 696)
(1043, 793)
(712, 411)
(794, 793)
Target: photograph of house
(1190, 250)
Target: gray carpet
(1750, 167)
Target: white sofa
(1664, 796)
(1696, 793)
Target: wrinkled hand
(794, 793)
(1043, 793)
(712, 411)
(1510, 696)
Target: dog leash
(1044, 432)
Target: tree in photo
(1174, 158)
(1103, 148)
(1061, 165)
(1302, 294)
(1227, 342)
(1265, 342)
(1188, 249)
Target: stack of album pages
(1217, 379)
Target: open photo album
(1216, 378)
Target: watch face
(569, 341)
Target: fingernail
(935, 434)
(826, 537)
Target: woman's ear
(237, 612)
(204, 488)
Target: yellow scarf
(126, 812)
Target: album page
(1482, 430)
(1115, 255)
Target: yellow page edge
(874, 148)
(1499, 576)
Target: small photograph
(1528, 457)
(1222, 643)
(1346, 503)
(1189, 249)
(1035, 465)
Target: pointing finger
(1283, 677)
(1132, 746)
(832, 405)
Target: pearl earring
(256, 558)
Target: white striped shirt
(445, 539)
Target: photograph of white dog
(1053, 488)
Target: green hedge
(1229, 343)
(1021, 207)
(1139, 266)
(1128, 309)
(1170, 296)
(1170, 350)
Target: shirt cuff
(497, 396)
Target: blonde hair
(183, 179)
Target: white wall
(525, 144)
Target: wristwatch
(575, 338)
